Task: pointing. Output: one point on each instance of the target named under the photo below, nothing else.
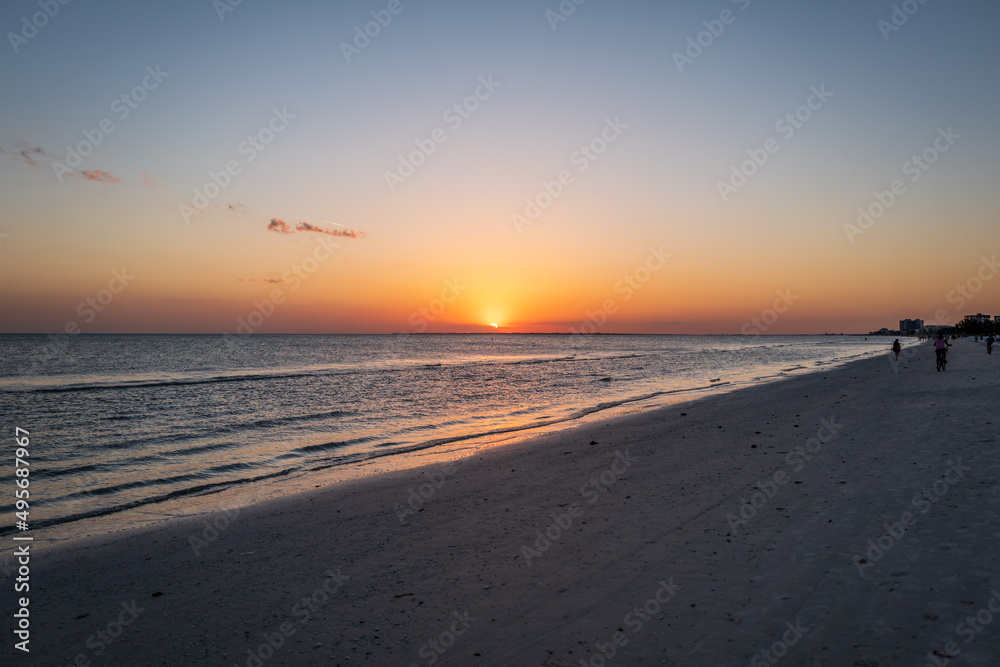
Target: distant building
(910, 325)
(978, 318)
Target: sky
(442, 166)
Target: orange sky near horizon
(372, 285)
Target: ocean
(150, 423)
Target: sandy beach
(844, 517)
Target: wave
(378, 450)
(232, 429)
(461, 398)
(573, 416)
(200, 490)
(119, 384)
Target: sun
(494, 325)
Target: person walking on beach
(941, 346)
(896, 348)
(989, 344)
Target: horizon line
(431, 333)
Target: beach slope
(843, 517)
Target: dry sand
(653, 563)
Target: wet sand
(845, 517)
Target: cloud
(150, 183)
(347, 233)
(261, 280)
(237, 208)
(282, 227)
(27, 153)
(279, 226)
(100, 176)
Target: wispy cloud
(282, 227)
(237, 208)
(28, 153)
(261, 280)
(347, 233)
(150, 183)
(100, 176)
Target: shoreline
(556, 550)
(230, 495)
(236, 496)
